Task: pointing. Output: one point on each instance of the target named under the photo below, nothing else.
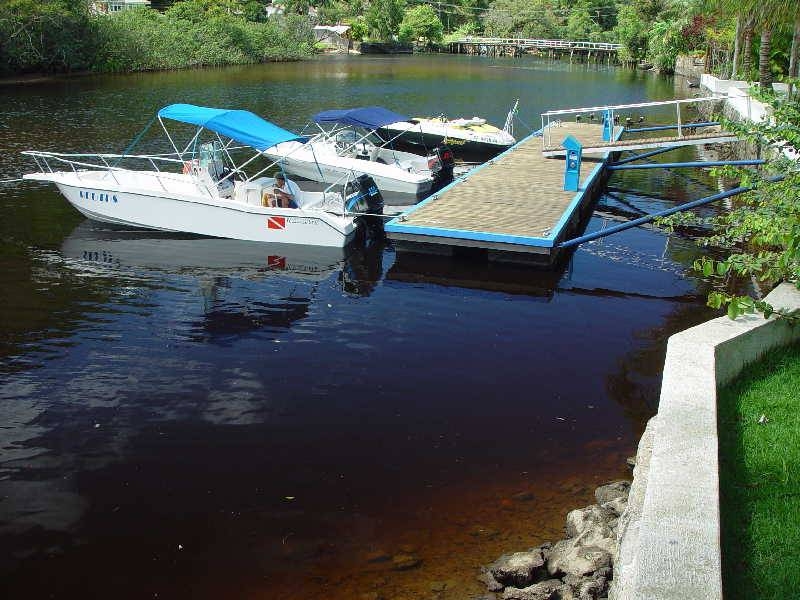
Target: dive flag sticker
(276, 262)
(276, 222)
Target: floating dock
(513, 206)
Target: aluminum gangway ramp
(636, 136)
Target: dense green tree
(581, 25)
(665, 42)
(525, 18)
(632, 32)
(420, 22)
(384, 17)
(466, 12)
(45, 35)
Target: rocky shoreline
(579, 567)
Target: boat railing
(81, 163)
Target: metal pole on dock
(684, 165)
(646, 219)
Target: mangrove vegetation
(57, 36)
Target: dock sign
(572, 167)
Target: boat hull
(464, 149)
(327, 167)
(301, 168)
(216, 217)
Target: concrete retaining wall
(738, 99)
(690, 67)
(669, 546)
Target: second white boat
(351, 145)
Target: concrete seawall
(669, 540)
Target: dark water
(194, 418)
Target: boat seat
(250, 192)
(406, 165)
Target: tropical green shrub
(664, 44)
(760, 234)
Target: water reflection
(475, 273)
(169, 390)
(141, 250)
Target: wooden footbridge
(516, 206)
(513, 46)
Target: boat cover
(240, 125)
(370, 117)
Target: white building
(333, 35)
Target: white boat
(202, 190)
(470, 138)
(351, 145)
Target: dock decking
(515, 203)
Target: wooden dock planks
(519, 193)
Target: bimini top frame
(368, 119)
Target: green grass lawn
(759, 436)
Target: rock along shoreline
(579, 567)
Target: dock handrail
(612, 109)
(567, 111)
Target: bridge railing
(539, 43)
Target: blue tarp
(370, 117)
(240, 125)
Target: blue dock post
(572, 166)
(608, 125)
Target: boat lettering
(102, 257)
(97, 196)
(300, 221)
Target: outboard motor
(361, 195)
(441, 162)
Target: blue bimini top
(370, 117)
(240, 125)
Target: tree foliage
(760, 235)
(61, 36)
(45, 35)
(384, 17)
(420, 22)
